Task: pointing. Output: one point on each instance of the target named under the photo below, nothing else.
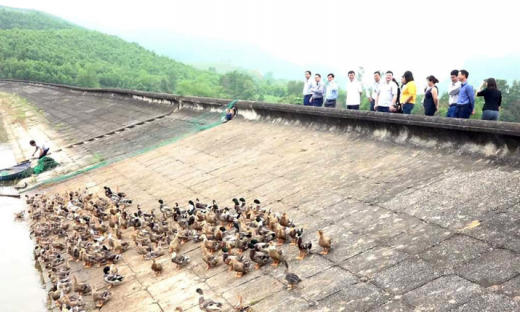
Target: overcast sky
(427, 37)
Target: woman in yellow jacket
(408, 93)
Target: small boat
(19, 171)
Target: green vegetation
(13, 18)
(3, 133)
(88, 59)
(97, 158)
(18, 108)
(39, 47)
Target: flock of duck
(81, 226)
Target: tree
(341, 101)
(295, 88)
(269, 78)
(172, 79)
(510, 110)
(291, 99)
(237, 85)
(88, 77)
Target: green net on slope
(44, 164)
(197, 124)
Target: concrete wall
(496, 140)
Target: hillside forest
(39, 47)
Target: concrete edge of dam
(490, 139)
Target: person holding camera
(492, 97)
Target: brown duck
(324, 242)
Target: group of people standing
(387, 96)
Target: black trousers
(463, 111)
(45, 151)
(330, 103)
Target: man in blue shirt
(331, 93)
(466, 101)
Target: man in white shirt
(453, 92)
(308, 85)
(331, 94)
(372, 91)
(42, 148)
(386, 94)
(318, 90)
(354, 91)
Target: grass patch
(57, 174)
(97, 158)
(3, 133)
(19, 108)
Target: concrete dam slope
(86, 128)
(424, 213)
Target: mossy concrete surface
(402, 220)
(414, 228)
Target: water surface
(21, 284)
(20, 281)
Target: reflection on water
(6, 156)
(21, 283)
